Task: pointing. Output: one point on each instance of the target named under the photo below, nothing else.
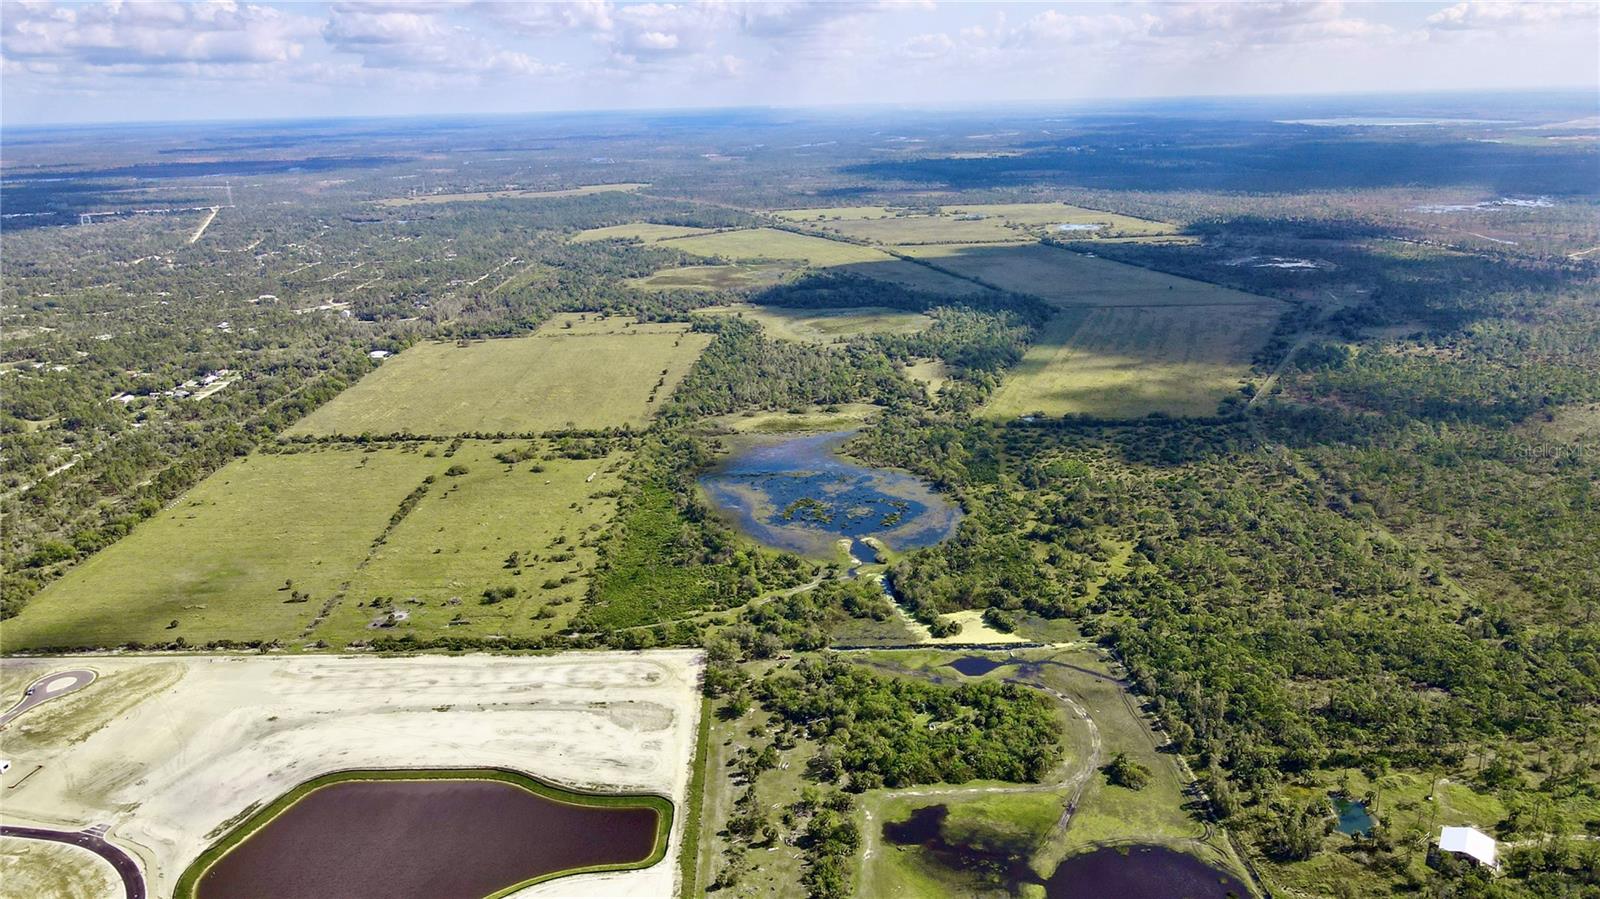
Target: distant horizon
(104, 63)
(1576, 93)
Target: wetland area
(800, 494)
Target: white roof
(1468, 841)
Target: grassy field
(645, 231)
(510, 195)
(1066, 278)
(843, 417)
(970, 223)
(734, 276)
(1128, 362)
(825, 325)
(436, 564)
(754, 244)
(216, 560)
(554, 380)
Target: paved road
(93, 840)
(50, 686)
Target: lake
(445, 839)
(1353, 817)
(799, 494)
(1140, 872)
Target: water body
(1140, 872)
(976, 666)
(800, 495)
(1133, 872)
(445, 839)
(1353, 817)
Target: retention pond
(469, 836)
(799, 494)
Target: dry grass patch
(480, 196)
(771, 244)
(645, 231)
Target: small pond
(1353, 817)
(443, 838)
(1140, 872)
(800, 495)
(977, 666)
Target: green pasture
(825, 325)
(550, 381)
(969, 223)
(1067, 278)
(772, 244)
(436, 564)
(216, 560)
(733, 276)
(480, 196)
(648, 232)
(1129, 362)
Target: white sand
(168, 750)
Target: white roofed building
(1471, 842)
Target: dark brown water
(441, 839)
(1140, 872)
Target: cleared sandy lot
(171, 751)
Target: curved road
(49, 687)
(93, 840)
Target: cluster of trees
(878, 730)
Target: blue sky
(117, 61)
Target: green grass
(689, 886)
(1067, 279)
(1129, 362)
(823, 326)
(188, 883)
(215, 560)
(733, 276)
(770, 244)
(436, 564)
(968, 223)
(480, 196)
(645, 231)
(551, 381)
(843, 417)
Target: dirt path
(204, 224)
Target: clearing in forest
(1066, 278)
(512, 194)
(972, 223)
(1126, 362)
(768, 244)
(733, 276)
(558, 379)
(503, 548)
(825, 325)
(645, 231)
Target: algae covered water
(800, 495)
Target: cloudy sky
(111, 61)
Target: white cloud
(152, 34)
(1477, 15)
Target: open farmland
(480, 196)
(171, 752)
(553, 380)
(971, 223)
(758, 244)
(1066, 278)
(429, 576)
(1125, 362)
(216, 561)
(733, 276)
(825, 325)
(645, 231)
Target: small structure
(1471, 842)
(379, 354)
